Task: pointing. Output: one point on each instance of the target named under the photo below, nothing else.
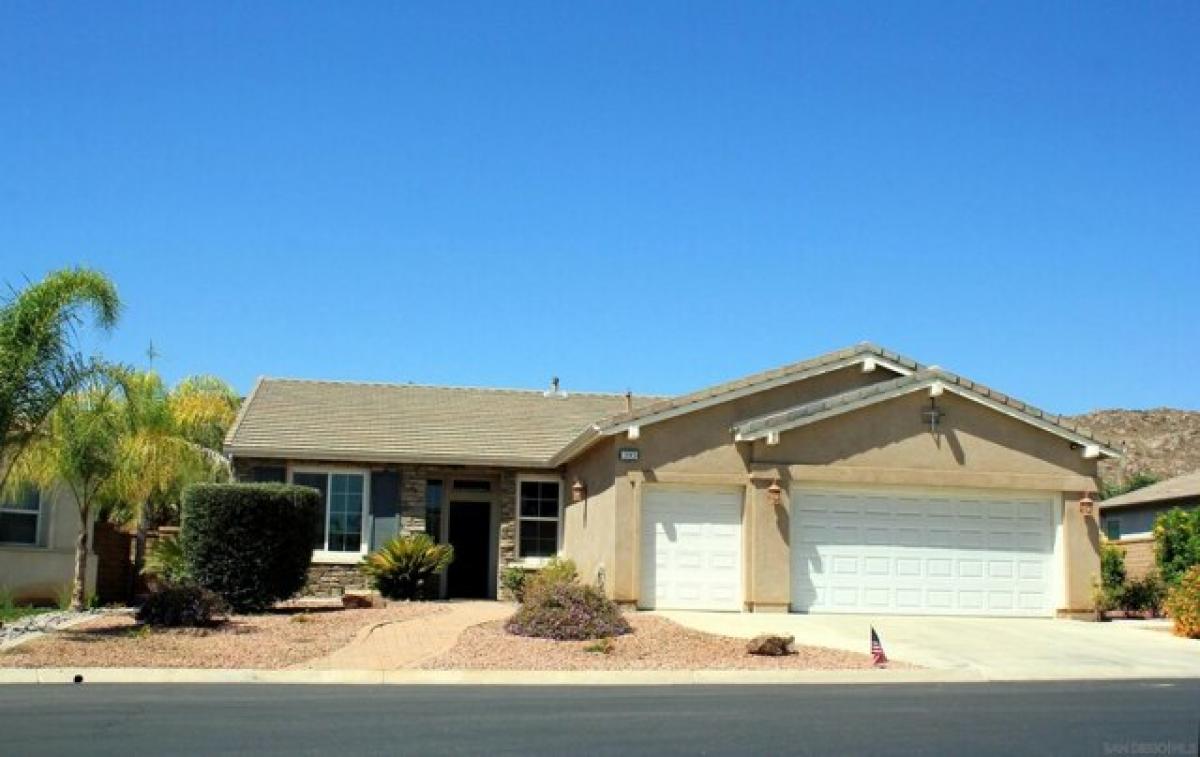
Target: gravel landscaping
(655, 644)
(13, 631)
(271, 641)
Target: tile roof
(1181, 487)
(414, 423)
(810, 412)
(368, 422)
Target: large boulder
(770, 645)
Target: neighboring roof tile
(1181, 487)
(377, 422)
(852, 400)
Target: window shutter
(385, 506)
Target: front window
(20, 517)
(340, 520)
(538, 510)
(1112, 528)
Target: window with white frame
(538, 505)
(21, 517)
(343, 503)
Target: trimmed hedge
(249, 543)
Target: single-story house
(860, 481)
(1128, 520)
(37, 544)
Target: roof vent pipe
(628, 401)
(554, 391)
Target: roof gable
(934, 380)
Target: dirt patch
(655, 644)
(274, 640)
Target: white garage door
(929, 554)
(691, 549)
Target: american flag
(877, 655)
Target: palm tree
(77, 447)
(169, 439)
(38, 366)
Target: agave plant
(402, 567)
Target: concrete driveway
(992, 648)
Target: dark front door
(470, 530)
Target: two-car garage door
(943, 553)
(879, 551)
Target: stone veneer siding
(332, 579)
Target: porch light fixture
(1086, 505)
(578, 491)
(775, 494)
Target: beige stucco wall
(38, 574)
(589, 527)
(884, 444)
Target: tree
(1138, 480)
(169, 439)
(38, 364)
(77, 447)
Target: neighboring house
(1128, 520)
(37, 544)
(858, 481)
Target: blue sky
(652, 196)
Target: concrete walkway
(991, 648)
(400, 644)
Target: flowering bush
(568, 611)
(1183, 602)
(1177, 543)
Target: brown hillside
(1164, 442)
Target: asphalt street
(1088, 718)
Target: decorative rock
(26, 628)
(362, 600)
(772, 646)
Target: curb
(479, 677)
(27, 676)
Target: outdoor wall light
(1086, 505)
(775, 494)
(578, 491)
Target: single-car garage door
(691, 549)
(944, 553)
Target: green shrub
(568, 611)
(1177, 543)
(1112, 566)
(1183, 602)
(556, 571)
(514, 579)
(1146, 593)
(186, 604)
(249, 543)
(7, 599)
(402, 568)
(165, 561)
